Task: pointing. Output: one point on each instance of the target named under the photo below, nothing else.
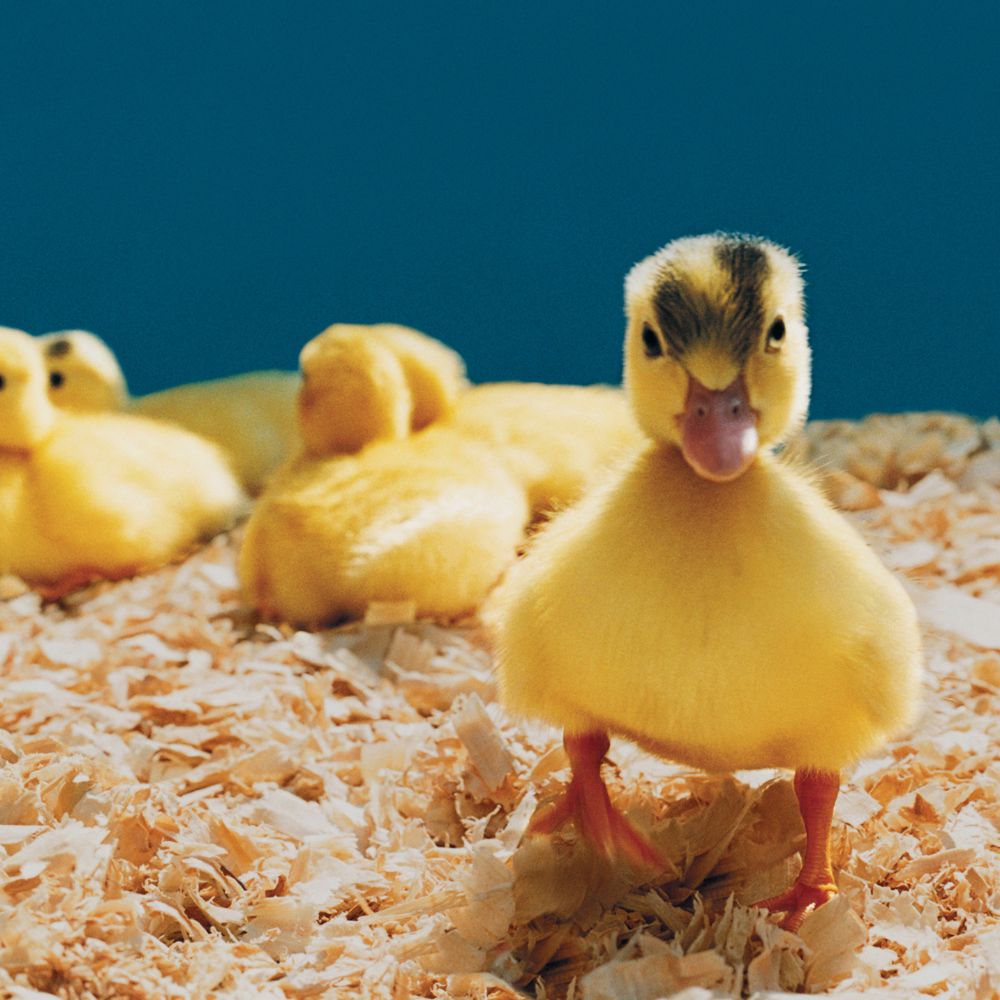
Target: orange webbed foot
(817, 793)
(796, 902)
(587, 802)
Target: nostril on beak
(702, 410)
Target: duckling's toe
(796, 902)
(586, 801)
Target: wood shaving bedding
(192, 805)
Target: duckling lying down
(368, 511)
(708, 602)
(88, 496)
(384, 505)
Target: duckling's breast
(729, 625)
(12, 477)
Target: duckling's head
(716, 349)
(354, 391)
(83, 372)
(26, 415)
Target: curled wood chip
(486, 746)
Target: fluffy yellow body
(108, 495)
(433, 519)
(554, 439)
(251, 416)
(722, 625)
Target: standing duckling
(369, 511)
(103, 495)
(708, 603)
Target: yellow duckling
(554, 439)
(370, 512)
(103, 495)
(708, 602)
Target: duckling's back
(251, 416)
(740, 624)
(555, 439)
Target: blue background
(207, 186)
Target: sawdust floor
(195, 806)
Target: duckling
(555, 439)
(251, 416)
(101, 495)
(707, 602)
(369, 511)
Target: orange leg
(586, 800)
(72, 581)
(79, 578)
(817, 793)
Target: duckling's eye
(56, 379)
(651, 342)
(3, 382)
(775, 335)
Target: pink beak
(719, 430)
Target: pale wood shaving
(192, 805)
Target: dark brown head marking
(679, 312)
(744, 259)
(59, 348)
(730, 316)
